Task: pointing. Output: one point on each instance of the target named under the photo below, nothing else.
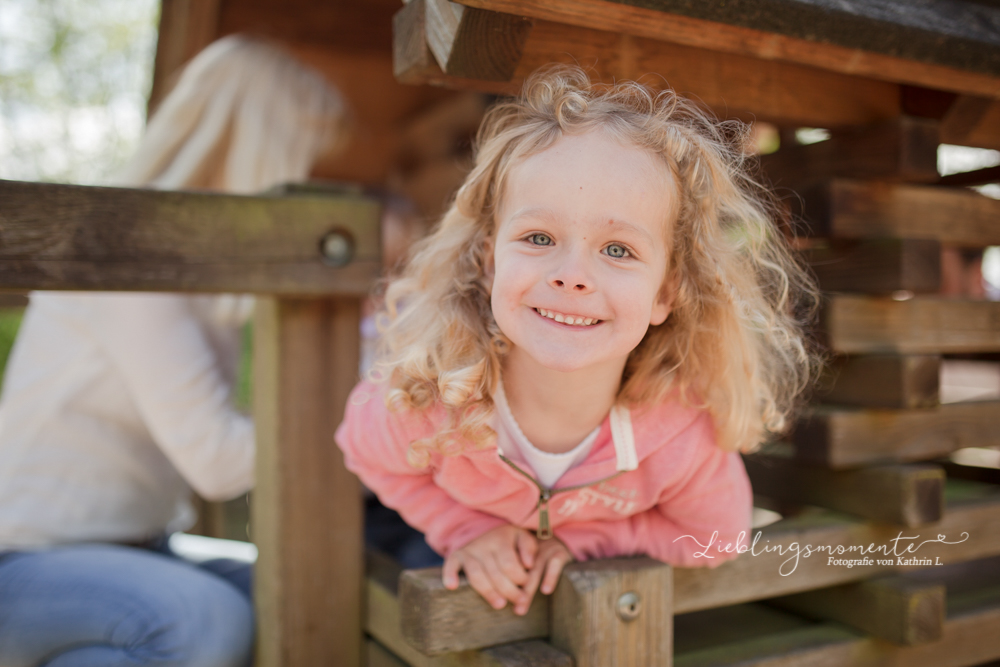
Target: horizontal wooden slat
(882, 381)
(868, 325)
(778, 564)
(906, 495)
(867, 209)
(96, 238)
(876, 266)
(896, 609)
(734, 86)
(704, 25)
(901, 149)
(844, 438)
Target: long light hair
(734, 341)
(243, 117)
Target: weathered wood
(307, 514)
(866, 210)
(923, 325)
(614, 613)
(436, 620)
(778, 562)
(844, 438)
(896, 609)
(905, 495)
(377, 655)
(731, 85)
(383, 623)
(786, 557)
(475, 43)
(901, 149)
(411, 56)
(972, 121)
(76, 237)
(687, 26)
(876, 266)
(882, 381)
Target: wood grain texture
(307, 513)
(882, 381)
(876, 266)
(587, 623)
(896, 609)
(902, 149)
(780, 563)
(475, 43)
(77, 237)
(436, 620)
(383, 623)
(868, 210)
(733, 86)
(845, 438)
(650, 20)
(904, 495)
(922, 325)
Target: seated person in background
(116, 406)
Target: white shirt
(513, 444)
(114, 406)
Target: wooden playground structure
(867, 465)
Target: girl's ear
(664, 301)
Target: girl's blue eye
(540, 239)
(616, 251)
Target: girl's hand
(496, 565)
(551, 558)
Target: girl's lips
(563, 318)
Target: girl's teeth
(567, 319)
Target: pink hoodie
(654, 483)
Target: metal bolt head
(629, 606)
(337, 248)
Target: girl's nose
(571, 275)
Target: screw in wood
(337, 248)
(629, 606)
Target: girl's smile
(580, 253)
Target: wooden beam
(307, 514)
(904, 495)
(882, 381)
(975, 177)
(383, 623)
(865, 210)
(972, 121)
(475, 43)
(650, 19)
(876, 266)
(784, 557)
(901, 149)
(845, 438)
(615, 612)
(95, 238)
(896, 609)
(870, 325)
(186, 27)
(436, 621)
(734, 86)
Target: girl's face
(580, 252)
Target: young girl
(573, 359)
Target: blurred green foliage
(10, 322)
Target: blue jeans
(106, 605)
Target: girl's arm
(710, 509)
(374, 441)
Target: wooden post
(307, 514)
(615, 613)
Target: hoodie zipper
(544, 495)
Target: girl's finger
(510, 565)
(449, 571)
(530, 588)
(501, 583)
(527, 548)
(552, 571)
(482, 584)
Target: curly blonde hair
(734, 342)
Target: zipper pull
(544, 530)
